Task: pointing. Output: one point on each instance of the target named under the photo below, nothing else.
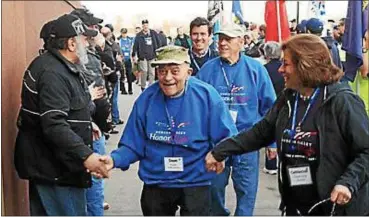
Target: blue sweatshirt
(250, 91)
(126, 46)
(200, 119)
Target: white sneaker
(270, 172)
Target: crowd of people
(205, 109)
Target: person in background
(172, 147)
(293, 26)
(126, 44)
(182, 39)
(262, 31)
(316, 26)
(200, 53)
(245, 86)
(322, 132)
(135, 70)
(144, 52)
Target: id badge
(173, 164)
(234, 114)
(299, 175)
(148, 41)
(126, 54)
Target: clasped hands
(99, 165)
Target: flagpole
(279, 22)
(298, 12)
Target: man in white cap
(246, 88)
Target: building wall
(21, 24)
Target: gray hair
(272, 50)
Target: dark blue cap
(315, 25)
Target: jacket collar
(75, 68)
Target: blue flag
(355, 26)
(237, 15)
(215, 8)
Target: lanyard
(194, 60)
(311, 102)
(172, 119)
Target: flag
(237, 16)
(316, 9)
(277, 27)
(215, 11)
(355, 26)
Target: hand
(340, 195)
(94, 165)
(119, 58)
(109, 164)
(213, 165)
(96, 132)
(271, 153)
(97, 92)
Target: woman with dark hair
(321, 130)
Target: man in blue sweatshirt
(172, 136)
(246, 88)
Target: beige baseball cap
(171, 55)
(232, 30)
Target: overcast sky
(157, 11)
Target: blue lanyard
(311, 102)
(194, 60)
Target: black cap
(110, 26)
(145, 21)
(68, 26)
(86, 16)
(293, 20)
(46, 30)
(123, 30)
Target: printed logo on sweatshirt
(165, 133)
(236, 95)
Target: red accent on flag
(270, 17)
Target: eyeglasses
(315, 206)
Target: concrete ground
(123, 189)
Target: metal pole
(298, 12)
(279, 22)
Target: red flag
(271, 20)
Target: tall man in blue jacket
(171, 143)
(246, 88)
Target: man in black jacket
(145, 45)
(54, 142)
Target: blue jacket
(126, 47)
(201, 120)
(251, 93)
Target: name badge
(148, 41)
(126, 54)
(299, 175)
(173, 164)
(234, 114)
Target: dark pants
(53, 200)
(193, 201)
(129, 75)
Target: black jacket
(54, 123)
(277, 79)
(343, 127)
(143, 50)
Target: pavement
(123, 189)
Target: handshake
(99, 165)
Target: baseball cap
(46, 30)
(123, 30)
(231, 30)
(314, 25)
(68, 26)
(171, 54)
(86, 16)
(145, 21)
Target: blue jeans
(95, 194)
(114, 106)
(54, 200)
(245, 176)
